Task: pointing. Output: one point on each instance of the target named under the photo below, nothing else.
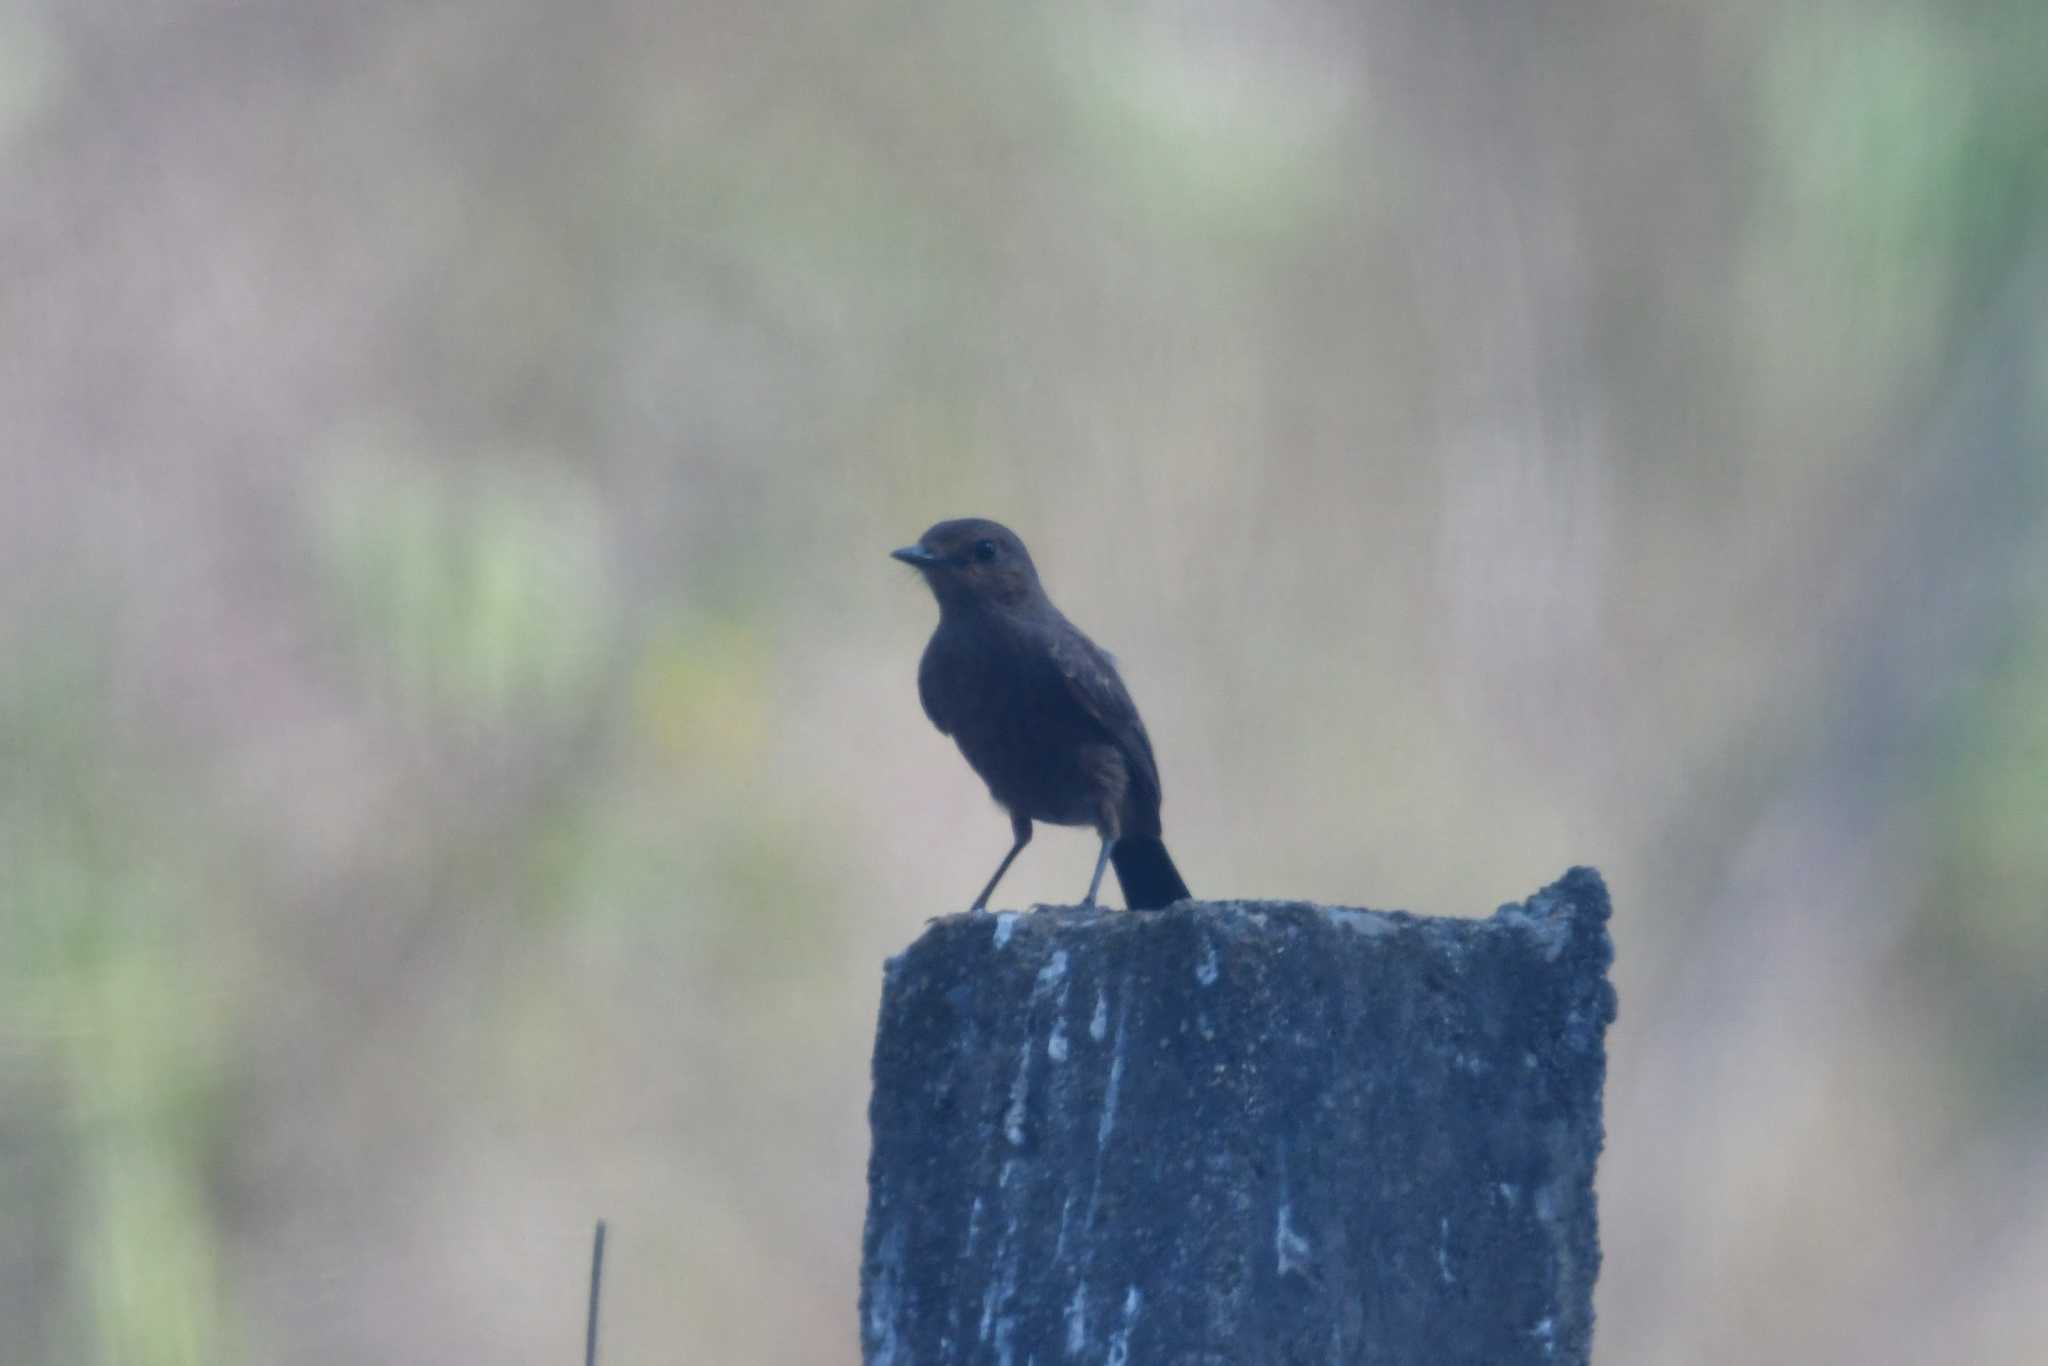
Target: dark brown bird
(1038, 709)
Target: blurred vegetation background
(460, 768)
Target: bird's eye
(984, 551)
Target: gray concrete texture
(1240, 1134)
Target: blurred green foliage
(483, 597)
(110, 1014)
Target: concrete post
(1240, 1133)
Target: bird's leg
(1101, 862)
(1020, 826)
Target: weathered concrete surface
(1240, 1134)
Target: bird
(1038, 710)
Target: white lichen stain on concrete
(1116, 1079)
(1056, 1041)
(1049, 976)
(1098, 1023)
(1550, 933)
(1006, 925)
(1054, 974)
(1291, 1251)
(884, 1289)
(1120, 1341)
(1443, 1250)
(1020, 1092)
(1205, 966)
(973, 1225)
(1077, 1320)
(995, 1325)
(1368, 923)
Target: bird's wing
(1091, 681)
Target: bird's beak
(915, 555)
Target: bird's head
(971, 562)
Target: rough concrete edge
(1571, 916)
(1575, 905)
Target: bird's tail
(1150, 881)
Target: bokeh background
(460, 770)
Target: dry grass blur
(459, 764)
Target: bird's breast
(1021, 731)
